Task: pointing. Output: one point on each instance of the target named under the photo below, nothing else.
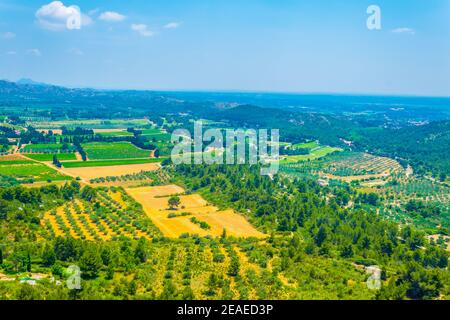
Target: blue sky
(248, 45)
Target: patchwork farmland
(119, 214)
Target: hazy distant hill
(403, 130)
(26, 81)
(92, 103)
(391, 111)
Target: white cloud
(142, 29)
(172, 25)
(404, 30)
(8, 35)
(34, 52)
(111, 16)
(11, 53)
(56, 16)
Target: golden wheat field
(155, 203)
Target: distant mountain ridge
(397, 110)
(388, 131)
(26, 81)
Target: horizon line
(245, 91)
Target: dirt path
(16, 147)
(78, 156)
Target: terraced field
(347, 167)
(360, 164)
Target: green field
(114, 150)
(156, 135)
(13, 162)
(49, 156)
(106, 163)
(115, 134)
(150, 131)
(46, 147)
(30, 171)
(315, 154)
(307, 145)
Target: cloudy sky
(264, 45)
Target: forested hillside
(426, 148)
(325, 229)
(314, 249)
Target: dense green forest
(425, 148)
(306, 230)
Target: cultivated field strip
(194, 215)
(112, 215)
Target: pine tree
(141, 251)
(28, 262)
(90, 263)
(48, 256)
(234, 267)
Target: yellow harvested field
(160, 191)
(12, 157)
(88, 173)
(55, 131)
(155, 203)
